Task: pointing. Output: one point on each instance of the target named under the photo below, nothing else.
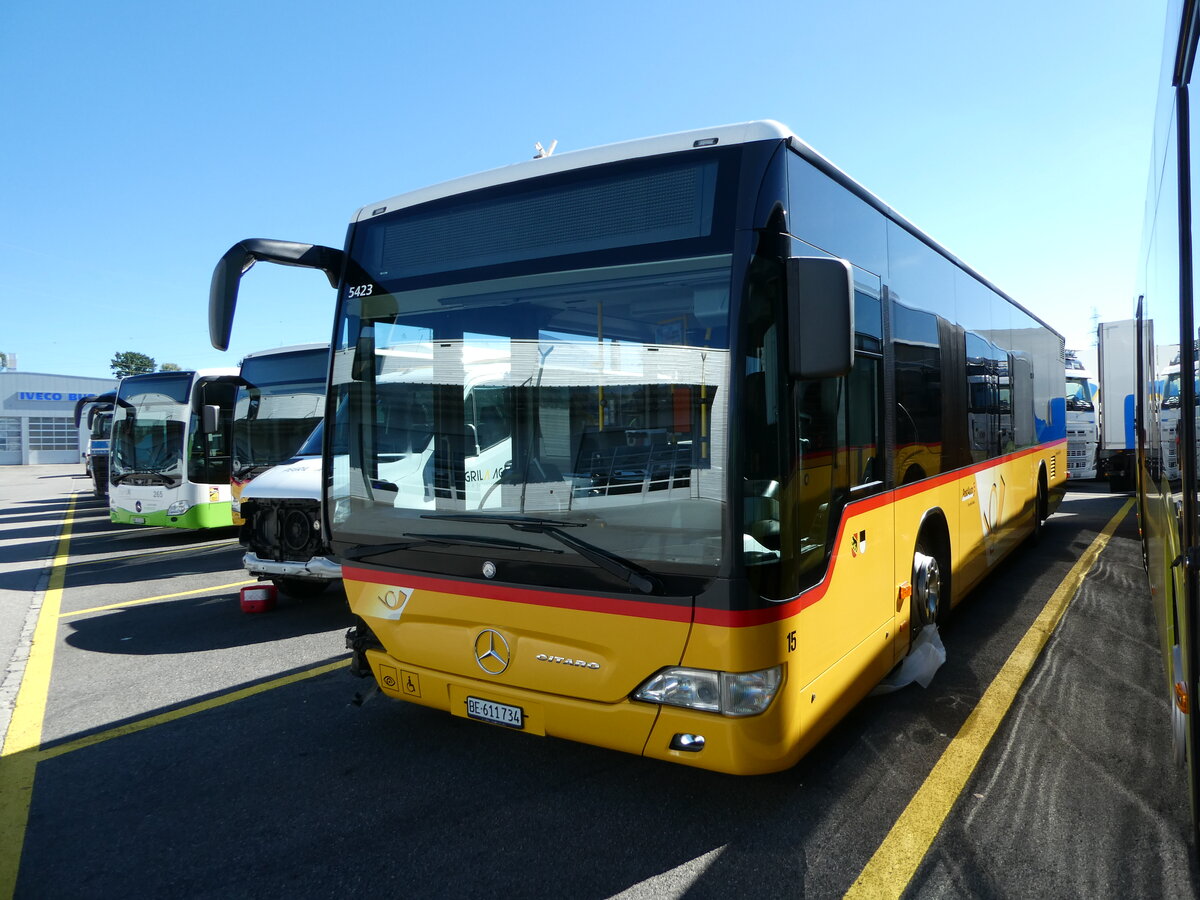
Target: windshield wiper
(630, 574)
(635, 576)
(474, 541)
(149, 475)
(512, 521)
(362, 551)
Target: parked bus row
(194, 449)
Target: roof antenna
(542, 152)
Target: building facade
(37, 417)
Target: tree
(130, 362)
(170, 367)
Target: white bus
(170, 461)
(98, 427)
(280, 400)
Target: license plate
(138, 520)
(496, 713)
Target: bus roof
(294, 348)
(190, 373)
(720, 135)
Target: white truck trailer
(1118, 357)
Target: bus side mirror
(820, 300)
(210, 419)
(227, 276)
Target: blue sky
(142, 139)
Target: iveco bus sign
(53, 396)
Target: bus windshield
(1170, 395)
(1079, 395)
(593, 397)
(549, 352)
(149, 421)
(280, 402)
(101, 425)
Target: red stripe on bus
(639, 609)
(643, 609)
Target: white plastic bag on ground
(923, 660)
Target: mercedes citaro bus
(668, 446)
(169, 460)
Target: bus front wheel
(1178, 716)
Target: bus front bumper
(317, 567)
(202, 515)
(741, 746)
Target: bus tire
(930, 582)
(1178, 717)
(1039, 509)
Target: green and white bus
(170, 453)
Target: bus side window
(862, 439)
(821, 437)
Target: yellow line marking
(123, 604)
(145, 553)
(18, 759)
(212, 703)
(890, 870)
(21, 752)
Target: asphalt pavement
(161, 742)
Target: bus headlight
(178, 508)
(727, 693)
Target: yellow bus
(1166, 414)
(669, 446)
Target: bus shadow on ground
(222, 559)
(306, 754)
(198, 623)
(22, 516)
